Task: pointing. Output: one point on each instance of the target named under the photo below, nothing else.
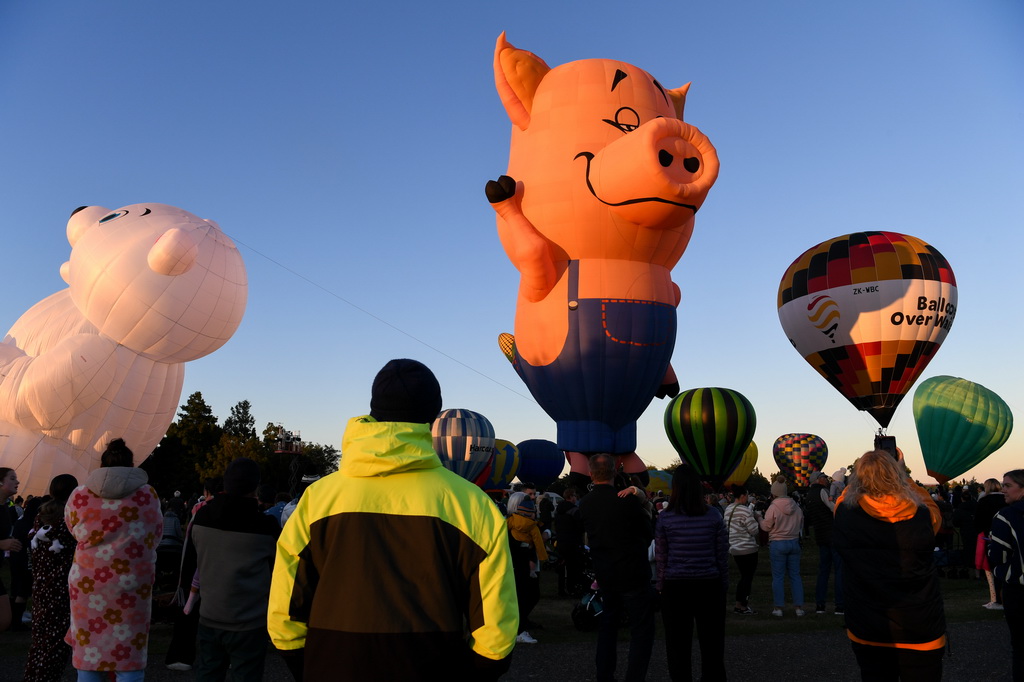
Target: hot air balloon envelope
(540, 462)
(464, 441)
(710, 428)
(959, 423)
(868, 310)
(746, 466)
(798, 454)
(504, 467)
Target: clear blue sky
(345, 147)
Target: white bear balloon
(150, 287)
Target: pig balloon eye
(626, 120)
(691, 163)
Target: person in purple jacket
(691, 547)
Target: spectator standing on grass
(52, 551)
(181, 652)
(991, 502)
(1007, 560)
(884, 530)
(394, 568)
(234, 545)
(8, 487)
(115, 519)
(692, 555)
(783, 521)
(820, 509)
(618, 525)
(569, 542)
(526, 545)
(741, 522)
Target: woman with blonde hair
(988, 505)
(884, 531)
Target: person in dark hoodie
(115, 520)
(819, 510)
(234, 543)
(884, 531)
(417, 580)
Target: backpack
(586, 613)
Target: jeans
(104, 676)
(827, 558)
(785, 558)
(684, 603)
(638, 604)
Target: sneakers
(820, 608)
(993, 606)
(182, 667)
(777, 613)
(744, 610)
(525, 638)
(799, 612)
(840, 611)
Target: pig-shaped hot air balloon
(597, 206)
(150, 287)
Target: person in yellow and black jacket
(394, 568)
(885, 533)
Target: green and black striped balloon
(710, 428)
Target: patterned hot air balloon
(464, 441)
(798, 454)
(710, 428)
(746, 466)
(540, 462)
(868, 310)
(504, 466)
(959, 423)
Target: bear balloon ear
(174, 253)
(678, 97)
(82, 218)
(517, 74)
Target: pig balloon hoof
(500, 190)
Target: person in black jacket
(618, 525)
(885, 532)
(234, 544)
(819, 510)
(569, 543)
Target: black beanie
(405, 391)
(242, 476)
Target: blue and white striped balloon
(464, 440)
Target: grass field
(963, 599)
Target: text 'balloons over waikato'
(464, 441)
(868, 310)
(798, 454)
(710, 428)
(959, 423)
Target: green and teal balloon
(959, 423)
(710, 428)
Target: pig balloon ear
(517, 74)
(679, 99)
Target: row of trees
(196, 447)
